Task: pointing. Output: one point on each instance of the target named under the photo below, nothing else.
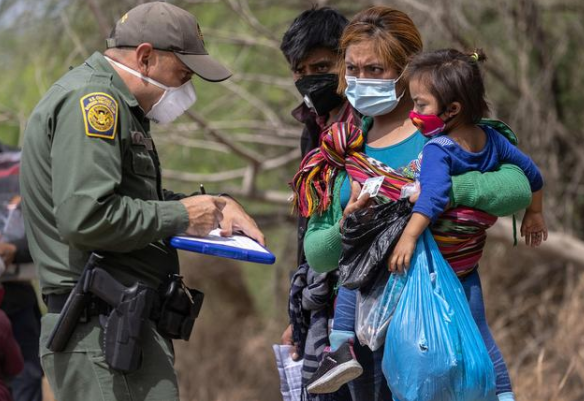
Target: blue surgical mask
(372, 97)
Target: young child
(449, 100)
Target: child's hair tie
(475, 57)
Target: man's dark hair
(314, 28)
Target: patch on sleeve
(100, 114)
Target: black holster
(174, 309)
(122, 330)
(180, 306)
(123, 327)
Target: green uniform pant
(80, 372)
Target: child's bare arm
(402, 253)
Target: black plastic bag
(369, 236)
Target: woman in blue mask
(376, 46)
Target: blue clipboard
(227, 247)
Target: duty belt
(94, 307)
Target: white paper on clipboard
(234, 247)
(235, 241)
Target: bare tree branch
(241, 8)
(290, 131)
(79, 46)
(238, 150)
(241, 40)
(202, 1)
(569, 8)
(259, 104)
(249, 174)
(270, 164)
(192, 143)
(286, 131)
(104, 26)
(275, 197)
(285, 83)
(208, 177)
(266, 140)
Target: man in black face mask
(310, 46)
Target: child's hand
(533, 228)
(402, 253)
(414, 197)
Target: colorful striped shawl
(460, 232)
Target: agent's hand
(402, 253)
(355, 204)
(236, 219)
(205, 213)
(7, 252)
(533, 228)
(287, 340)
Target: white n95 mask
(174, 101)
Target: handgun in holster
(73, 309)
(123, 327)
(180, 306)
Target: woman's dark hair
(453, 76)
(314, 28)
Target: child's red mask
(428, 124)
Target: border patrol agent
(90, 179)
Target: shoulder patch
(100, 114)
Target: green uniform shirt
(90, 181)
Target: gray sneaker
(335, 369)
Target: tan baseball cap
(168, 27)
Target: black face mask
(320, 92)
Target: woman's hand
(355, 203)
(533, 228)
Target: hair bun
(478, 55)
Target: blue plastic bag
(433, 349)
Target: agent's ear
(144, 57)
(453, 110)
